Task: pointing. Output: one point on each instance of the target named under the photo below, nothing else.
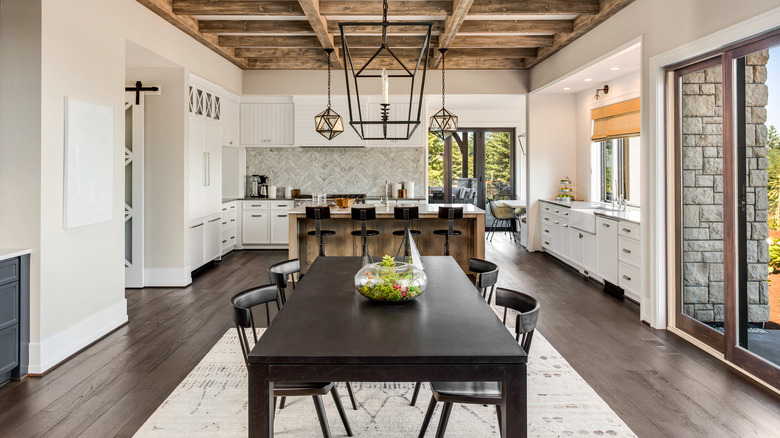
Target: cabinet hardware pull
(257, 215)
(196, 226)
(626, 230)
(565, 226)
(546, 231)
(556, 222)
(626, 277)
(580, 235)
(557, 211)
(224, 241)
(547, 218)
(627, 251)
(281, 215)
(282, 205)
(232, 220)
(224, 209)
(224, 223)
(566, 214)
(257, 205)
(546, 243)
(232, 206)
(232, 237)
(214, 220)
(605, 225)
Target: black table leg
(514, 407)
(261, 402)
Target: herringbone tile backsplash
(339, 170)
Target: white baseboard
(167, 277)
(51, 351)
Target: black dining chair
(279, 274)
(242, 304)
(485, 393)
(449, 213)
(364, 214)
(318, 214)
(406, 214)
(486, 277)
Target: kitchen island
(469, 244)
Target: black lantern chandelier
(443, 123)
(329, 123)
(372, 123)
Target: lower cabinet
(265, 224)
(607, 244)
(280, 230)
(584, 254)
(256, 227)
(205, 235)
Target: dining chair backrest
(527, 308)
(486, 276)
(278, 273)
(242, 304)
(500, 212)
(406, 212)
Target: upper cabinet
(230, 121)
(267, 124)
(306, 107)
(205, 103)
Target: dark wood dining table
(328, 332)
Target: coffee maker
(263, 186)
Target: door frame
(134, 271)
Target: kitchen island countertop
(385, 210)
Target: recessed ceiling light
(588, 80)
(615, 68)
(567, 88)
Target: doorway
(473, 166)
(134, 189)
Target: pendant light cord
(443, 55)
(328, 79)
(384, 11)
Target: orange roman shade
(616, 120)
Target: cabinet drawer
(256, 205)
(9, 270)
(547, 208)
(228, 237)
(229, 216)
(547, 237)
(629, 251)
(9, 305)
(282, 205)
(547, 219)
(560, 211)
(228, 223)
(229, 207)
(9, 348)
(630, 279)
(629, 229)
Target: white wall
(624, 88)
(552, 139)
(77, 289)
(289, 82)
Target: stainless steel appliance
(263, 187)
(253, 186)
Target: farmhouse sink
(583, 219)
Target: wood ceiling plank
(268, 41)
(333, 27)
(311, 8)
(460, 8)
(582, 24)
(189, 25)
(279, 52)
(371, 41)
(395, 8)
(519, 41)
(454, 54)
(534, 7)
(516, 26)
(236, 7)
(254, 26)
(287, 63)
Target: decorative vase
(390, 284)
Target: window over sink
(615, 170)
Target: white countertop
(630, 214)
(425, 209)
(9, 253)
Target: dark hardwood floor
(660, 385)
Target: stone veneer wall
(702, 181)
(340, 170)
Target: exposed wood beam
(320, 26)
(395, 8)
(451, 26)
(454, 54)
(370, 41)
(189, 25)
(254, 26)
(474, 41)
(314, 64)
(534, 7)
(582, 24)
(279, 52)
(333, 27)
(236, 7)
(268, 41)
(516, 26)
(287, 63)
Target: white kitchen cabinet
(205, 168)
(230, 122)
(306, 107)
(212, 245)
(280, 230)
(630, 260)
(265, 223)
(229, 228)
(256, 227)
(267, 124)
(607, 245)
(197, 237)
(577, 248)
(590, 255)
(562, 238)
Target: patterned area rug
(212, 402)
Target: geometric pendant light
(443, 123)
(329, 123)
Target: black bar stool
(364, 214)
(406, 214)
(319, 213)
(449, 213)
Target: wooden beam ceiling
(291, 34)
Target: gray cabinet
(14, 317)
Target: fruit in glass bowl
(390, 282)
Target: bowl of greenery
(390, 281)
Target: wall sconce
(605, 90)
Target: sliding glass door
(727, 211)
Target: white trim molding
(49, 352)
(654, 215)
(167, 277)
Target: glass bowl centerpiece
(390, 282)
